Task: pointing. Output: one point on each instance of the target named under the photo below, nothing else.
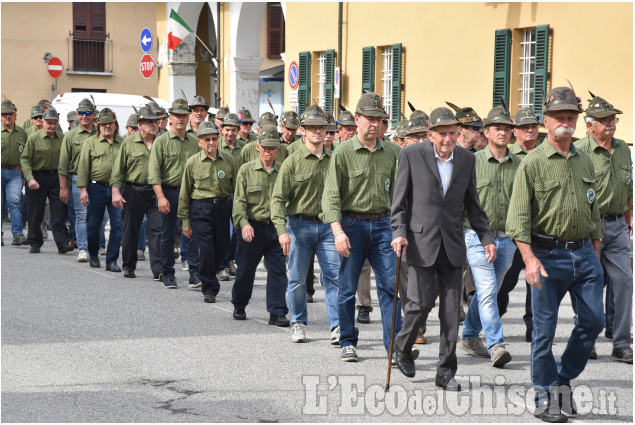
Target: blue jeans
(488, 278)
(99, 200)
(70, 215)
(578, 272)
(11, 197)
(80, 217)
(369, 239)
(308, 237)
(141, 244)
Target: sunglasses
(476, 128)
(39, 117)
(87, 113)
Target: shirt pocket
(547, 193)
(254, 194)
(202, 180)
(588, 184)
(301, 182)
(627, 174)
(137, 157)
(356, 179)
(481, 185)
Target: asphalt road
(87, 345)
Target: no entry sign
(147, 66)
(54, 67)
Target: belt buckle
(571, 245)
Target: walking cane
(394, 316)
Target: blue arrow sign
(146, 40)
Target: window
(304, 82)
(527, 65)
(391, 81)
(275, 31)
(387, 78)
(89, 36)
(325, 79)
(321, 79)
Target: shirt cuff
(154, 180)
(185, 222)
(331, 217)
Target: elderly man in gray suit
(435, 182)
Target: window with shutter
(328, 83)
(275, 30)
(502, 52)
(540, 72)
(368, 69)
(304, 83)
(395, 109)
(89, 35)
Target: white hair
(590, 120)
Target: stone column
(244, 74)
(182, 69)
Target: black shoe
(549, 412)
(447, 382)
(528, 333)
(364, 315)
(158, 277)
(608, 333)
(469, 299)
(210, 299)
(113, 267)
(565, 400)
(309, 298)
(169, 282)
(194, 282)
(279, 321)
(623, 354)
(593, 355)
(129, 273)
(239, 314)
(405, 363)
(94, 261)
(63, 249)
(34, 250)
(74, 243)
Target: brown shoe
(421, 339)
(461, 315)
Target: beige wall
(266, 63)
(449, 48)
(25, 79)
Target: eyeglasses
(270, 148)
(39, 117)
(608, 120)
(331, 133)
(87, 113)
(476, 128)
(420, 137)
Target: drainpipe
(339, 54)
(218, 55)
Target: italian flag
(177, 30)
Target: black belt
(549, 242)
(100, 183)
(45, 171)
(165, 186)
(611, 217)
(212, 200)
(263, 222)
(11, 167)
(139, 186)
(366, 216)
(311, 218)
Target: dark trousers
(140, 201)
(310, 276)
(36, 202)
(248, 255)
(210, 228)
(231, 252)
(509, 283)
(421, 300)
(168, 232)
(100, 200)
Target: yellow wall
(25, 79)
(163, 87)
(266, 63)
(449, 53)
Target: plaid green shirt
(554, 195)
(168, 156)
(97, 159)
(614, 172)
(299, 187)
(252, 196)
(359, 180)
(494, 184)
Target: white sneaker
(349, 354)
(184, 265)
(298, 332)
(335, 336)
(82, 257)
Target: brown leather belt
(366, 216)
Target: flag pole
(204, 45)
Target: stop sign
(54, 67)
(147, 66)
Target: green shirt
(359, 180)
(97, 159)
(299, 187)
(554, 195)
(12, 145)
(250, 153)
(235, 151)
(494, 184)
(252, 137)
(131, 163)
(72, 148)
(168, 156)
(252, 196)
(41, 153)
(613, 171)
(517, 150)
(205, 178)
(294, 146)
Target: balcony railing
(89, 56)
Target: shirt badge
(221, 174)
(590, 196)
(387, 185)
(627, 178)
(21, 148)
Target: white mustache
(610, 128)
(564, 130)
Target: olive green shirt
(252, 137)
(613, 171)
(359, 180)
(250, 153)
(294, 146)
(252, 196)
(12, 145)
(205, 178)
(554, 195)
(97, 159)
(168, 156)
(72, 148)
(299, 187)
(517, 150)
(235, 152)
(41, 153)
(131, 163)
(494, 184)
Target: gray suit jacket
(424, 216)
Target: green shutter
(328, 84)
(502, 53)
(368, 69)
(396, 84)
(540, 73)
(304, 83)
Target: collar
(437, 157)
(489, 155)
(172, 135)
(550, 150)
(101, 138)
(81, 129)
(358, 145)
(594, 144)
(203, 156)
(306, 152)
(260, 167)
